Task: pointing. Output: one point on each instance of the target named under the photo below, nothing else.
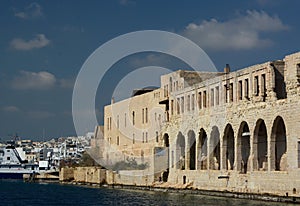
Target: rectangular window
(146, 111)
(133, 118)
(193, 102)
(246, 88)
(217, 96)
(146, 136)
(204, 99)
(143, 116)
(200, 100)
(118, 140)
(212, 97)
(263, 85)
(133, 140)
(256, 86)
(231, 92)
(156, 136)
(225, 94)
(143, 137)
(240, 90)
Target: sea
(17, 192)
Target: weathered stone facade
(234, 131)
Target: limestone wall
(89, 175)
(66, 174)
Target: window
(263, 84)
(170, 80)
(193, 101)
(200, 100)
(118, 140)
(204, 99)
(217, 96)
(8, 158)
(256, 86)
(146, 115)
(156, 136)
(212, 97)
(133, 140)
(142, 116)
(246, 88)
(146, 136)
(231, 92)
(225, 94)
(240, 90)
(143, 137)
(133, 117)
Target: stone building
(234, 131)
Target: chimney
(227, 69)
(112, 100)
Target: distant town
(49, 155)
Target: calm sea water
(21, 193)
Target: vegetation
(129, 164)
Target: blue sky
(43, 45)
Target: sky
(44, 44)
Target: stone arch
(228, 148)
(180, 152)
(260, 146)
(214, 146)
(191, 156)
(278, 145)
(202, 150)
(243, 148)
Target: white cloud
(33, 80)
(241, 33)
(39, 41)
(33, 10)
(10, 109)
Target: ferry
(13, 165)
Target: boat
(13, 166)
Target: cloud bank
(241, 33)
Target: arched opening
(243, 147)
(260, 146)
(214, 161)
(202, 150)
(278, 155)
(191, 150)
(228, 148)
(180, 152)
(166, 140)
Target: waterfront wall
(93, 175)
(129, 177)
(66, 174)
